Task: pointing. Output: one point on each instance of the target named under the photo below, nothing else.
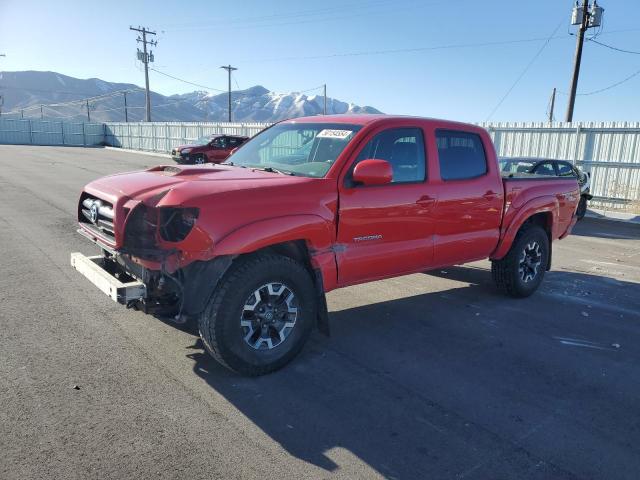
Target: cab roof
(368, 119)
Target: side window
(234, 142)
(545, 168)
(403, 148)
(565, 170)
(220, 142)
(461, 155)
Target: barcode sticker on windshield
(339, 134)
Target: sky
(466, 60)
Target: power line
(278, 16)
(609, 87)
(76, 102)
(526, 69)
(186, 81)
(409, 49)
(613, 48)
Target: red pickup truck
(249, 248)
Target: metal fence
(610, 151)
(48, 132)
(162, 137)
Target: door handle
(426, 200)
(490, 195)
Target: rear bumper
(93, 269)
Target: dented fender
(515, 218)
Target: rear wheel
(261, 314)
(199, 159)
(582, 208)
(521, 271)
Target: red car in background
(208, 149)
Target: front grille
(98, 216)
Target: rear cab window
(566, 170)
(461, 155)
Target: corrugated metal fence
(609, 150)
(49, 132)
(162, 137)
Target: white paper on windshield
(329, 133)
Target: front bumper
(124, 289)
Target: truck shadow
(605, 228)
(434, 384)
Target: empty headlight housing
(176, 222)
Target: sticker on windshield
(329, 133)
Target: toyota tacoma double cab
(249, 248)
(207, 149)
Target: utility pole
(553, 104)
(324, 111)
(586, 17)
(41, 113)
(229, 69)
(126, 114)
(145, 57)
(88, 114)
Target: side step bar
(93, 269)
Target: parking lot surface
(434, 375)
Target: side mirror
(373, 172)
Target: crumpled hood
(184, 184)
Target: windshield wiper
(275, 170)
(233, 164)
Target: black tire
(198, 159)
(507, 273)
(582, 208)
(219, 324)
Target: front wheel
(261, 314)
(199, 159)
(521, 271)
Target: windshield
(306, 149)
(516, 166)
(202, 141)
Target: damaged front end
(147, 259)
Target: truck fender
(315, 230)
(547, 203)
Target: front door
(387, 230)
(218, 151)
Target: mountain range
(65, 98)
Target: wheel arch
(542, 211)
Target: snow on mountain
(257, 104)
(24, 92)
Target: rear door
(387, 230)
(470, 197)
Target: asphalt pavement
(428, 376)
